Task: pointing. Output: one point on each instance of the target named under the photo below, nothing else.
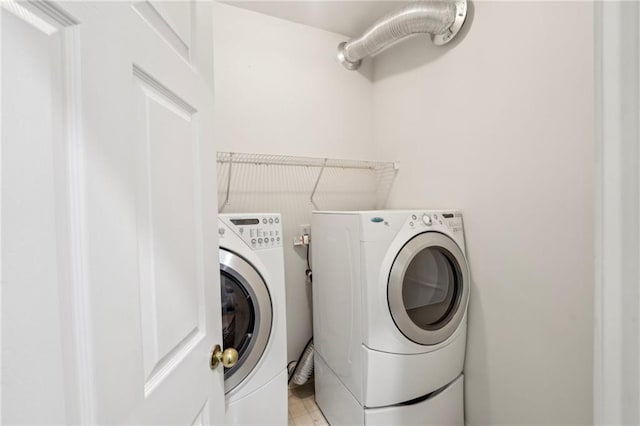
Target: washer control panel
(452, 220)
(261, 231)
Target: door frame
(617, 213)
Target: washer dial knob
(426, 219)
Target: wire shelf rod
(379, 169)
(282, 160)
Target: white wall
(280, 90)
(500, 125)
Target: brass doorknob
(228, 357)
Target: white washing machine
(254, 318)
(390, 295)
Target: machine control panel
(452, 220)
(261, 231)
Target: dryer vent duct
(304, 367)
(441, 19)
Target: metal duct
(441, 19)
(304, 368)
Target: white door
(110, 277)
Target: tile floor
(303, 410)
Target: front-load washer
(390, 298)
(253, 317)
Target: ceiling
(349, 18)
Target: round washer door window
(246, 315)
(428, 288)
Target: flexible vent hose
(304, 368)
(441, 19)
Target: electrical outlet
(303, 235)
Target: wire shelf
(245, 174)
(287, 160)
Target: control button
(414, 217)
(270, 220)
(272, 240)
(278, 238)
(426, 219)
(277, 220)
(259, 240)
(410, 223)
(264, 220)
(253, 241)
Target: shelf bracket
(226, 198)
(315, 187)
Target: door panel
(135, 218)
(202, 419)
(171, 21)
(171, 284)
(177, 15)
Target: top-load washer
(390, 298)
(253, 317)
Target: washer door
(428, 288)
(246, 315)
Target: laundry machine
(390, 297)
(254, 317)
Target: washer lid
(246, 315)
(428, 288)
